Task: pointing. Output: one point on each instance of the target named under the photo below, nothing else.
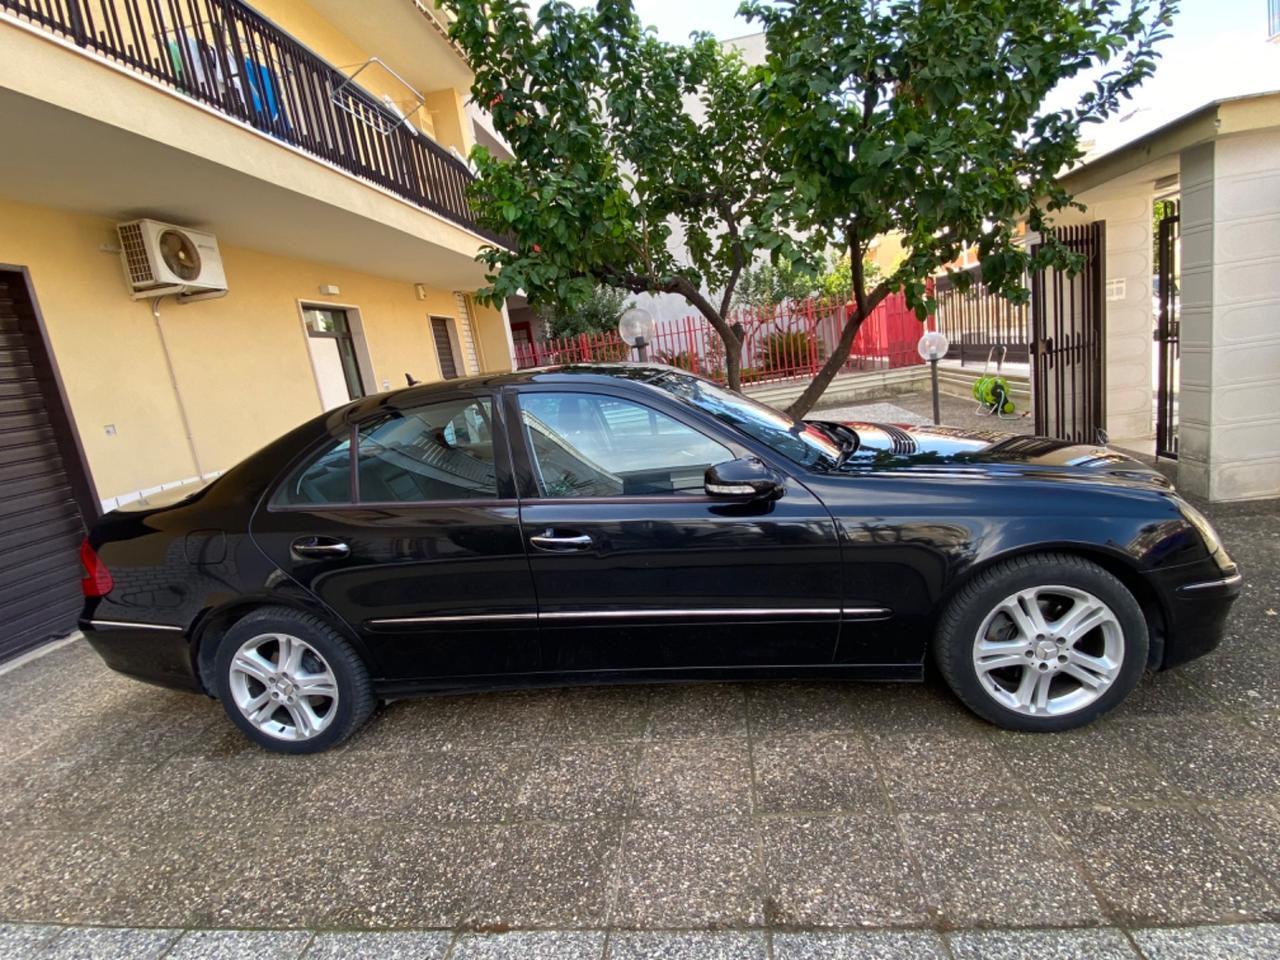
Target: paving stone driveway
(785, 816)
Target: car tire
(1043, 642)
(320, 696)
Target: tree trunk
(730, 336)
(733, 360)
(818, 385)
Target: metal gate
(1067, 323)
(1168, 279)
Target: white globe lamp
(635, 326)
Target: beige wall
(241, 362)
(1230, 396)
(1127, 350)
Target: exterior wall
(241, 363)
(1127, 351)
(1230, 403)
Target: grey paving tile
(579, 781)
(467, 784)
(645, 945)
(1085, 944)
(19, 941)
(600, 713)
(110, 943)
(530, 945)
(1000, 868)
(1164, 867)
(838, 871)
(940, 772)
(920, 708)
(240, 945)
(63, 877)
(67, 794)
(788, 709)
(412, 877)
(1082, 767)
(689, 873)
(698, 711)
(690, 778)
(379, 946)
(872, 945)
(1254, 942)
(547, 874)
(830, 773)
(429, 723)
(1208, 758)
(1255, 829)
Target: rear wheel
(1045, 642)
(291, 682)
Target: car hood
(888, 446)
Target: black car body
(536, 564)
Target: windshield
(800, 442)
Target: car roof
(596, 373)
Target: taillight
(97, 578)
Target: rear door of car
(408, 528)
(635, 567)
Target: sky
(1219, 48)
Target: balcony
(228, 57)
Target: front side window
(589, 445)
(439, 452)
(443, 451)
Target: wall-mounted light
(329, 290)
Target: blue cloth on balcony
(262, 89)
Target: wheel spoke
(1041, 697)
(301, 721)
(1081, 620)
(1026, 687)
(254, 664)
(260, 709)
(290, 657)
(316, 684)
(1001, 661)
(1095, 672)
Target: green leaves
(925, 117)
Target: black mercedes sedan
(630, 523)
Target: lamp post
(635, 326)
(933, 347)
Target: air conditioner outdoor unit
(161, 259)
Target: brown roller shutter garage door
(41, 523)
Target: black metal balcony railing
(228, 56)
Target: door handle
(552, 543)
(321, 547)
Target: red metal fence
(783, 342)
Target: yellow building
(318, 143)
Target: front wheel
(290, 682)
(1042, 643)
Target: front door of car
(414, 539)
(635, 567)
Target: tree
(607, 155)
(765, 285)
(598, 312)
(836, 282)
(927, 117)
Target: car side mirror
(744, 479)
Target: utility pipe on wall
(177, 393)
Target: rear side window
(326, 479)
(441, 451)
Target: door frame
(455, 346)
(364, 359)
(75, 462)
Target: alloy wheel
(283, 686)
(1048, 650)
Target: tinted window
(326, 479)
(439, 452)
(588, 445)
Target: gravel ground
(732, 820)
